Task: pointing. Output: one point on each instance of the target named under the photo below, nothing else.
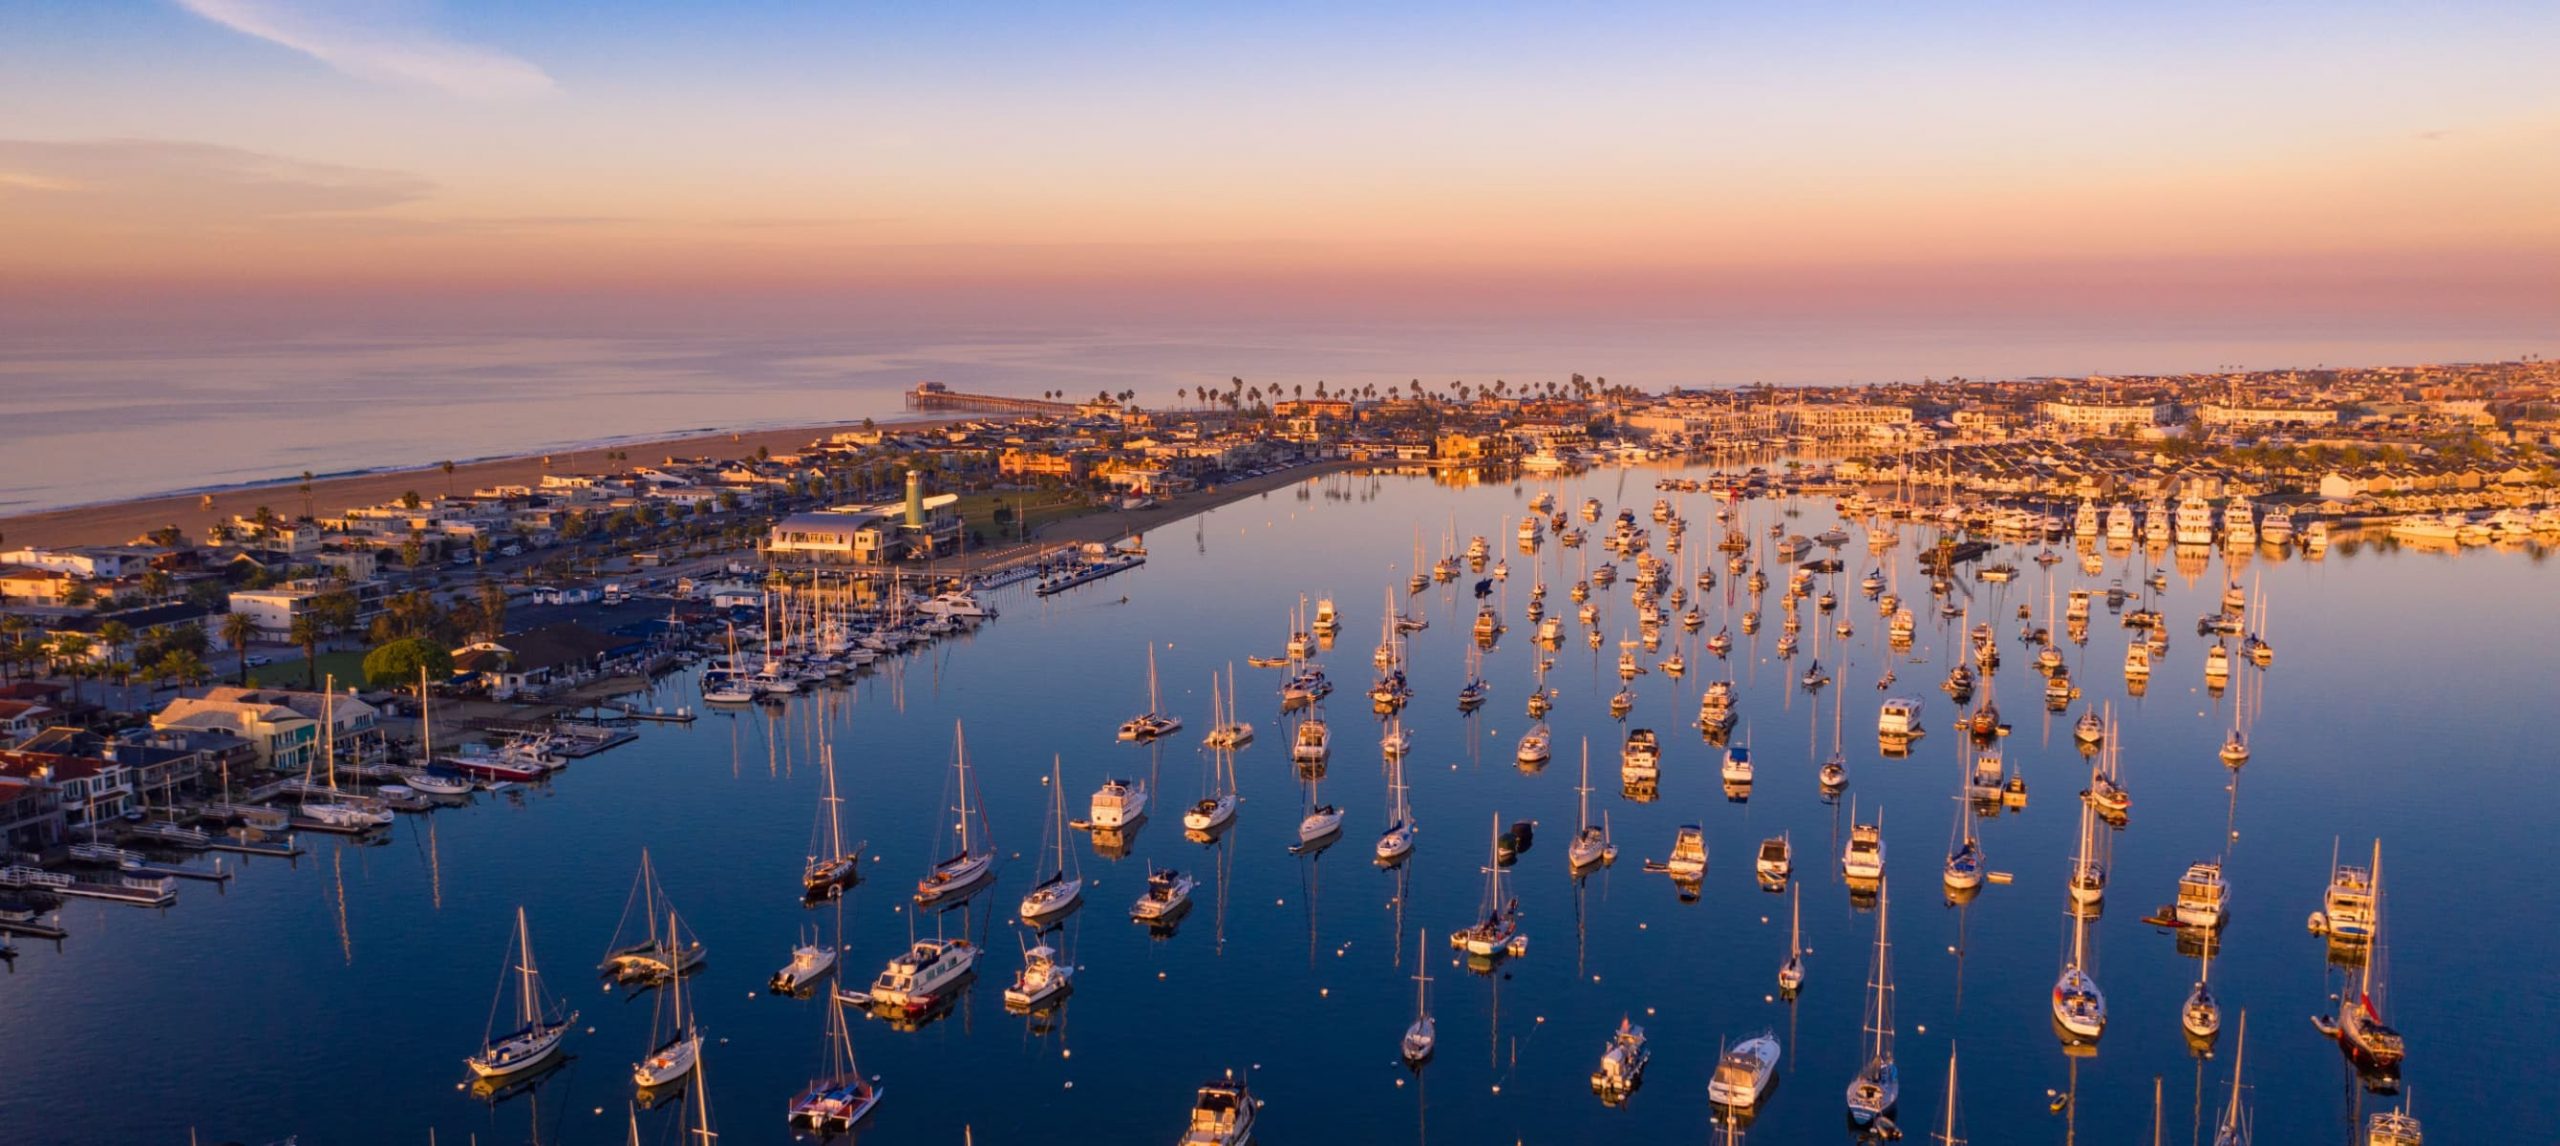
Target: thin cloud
(378, 41)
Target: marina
(1263, 933)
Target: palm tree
(71, 649)
(447, 467)
(116, 635)
(307, 632)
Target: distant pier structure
(936, 396)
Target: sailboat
(2200, 1015)
(1964, 869)
(1878, 1085)
(338, 812)
(2358, 1026)
(423, 778)
(1791, 972)
(1219, 805)
(1947, 1136)
(1060, 889)
(972, 856)
(1153, 722)
(649, 956)
(2232, 1129)
(1228, 730)
(2079, 1008)
(1424, 1034)
(2088, 880)
(831, 868)
(675, 1054)
(1321, 820)
(541, 1023)
(1397, 841)
(1591, 844)
(1497, 931)
(839, 1097)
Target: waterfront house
(30, 815)
(21, 719)
(91, 790)
(280, 738)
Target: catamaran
(541, 1021)
(645, 955)
(1154, 722)
(1878, 1085)
(1064, 885)
(839, 1097)
(1228, 730)
(973, 853)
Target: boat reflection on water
(503, 1089)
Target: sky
(604, 167)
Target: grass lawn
(978, 510)
(348, 667)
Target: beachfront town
(318, 666)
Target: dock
(1093, 572)
(139, 891)
(180, 871)
(281, 849)
(32, 924)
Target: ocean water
(334, 997)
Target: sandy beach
(119, 522)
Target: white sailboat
(1321, 820)
(1591, 844)
(672, 1056)
(1397, 841)
(646, 955)
(1063, 886)
(540, 1020)
(2200, 1015)
(1791, 972)
(1218, 806)
(1878, 1085)
(973, 853)
(2079, 1008)
(2232, 1129)
(1424, 1035)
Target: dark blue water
(335, 997)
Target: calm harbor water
(334, 997)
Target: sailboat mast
(525, 986)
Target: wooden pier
(932, 396)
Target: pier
(932, 396)
(136, 890)
(1092, 572)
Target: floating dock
(1094, 572)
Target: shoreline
(117, 522)
(1112, 525)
